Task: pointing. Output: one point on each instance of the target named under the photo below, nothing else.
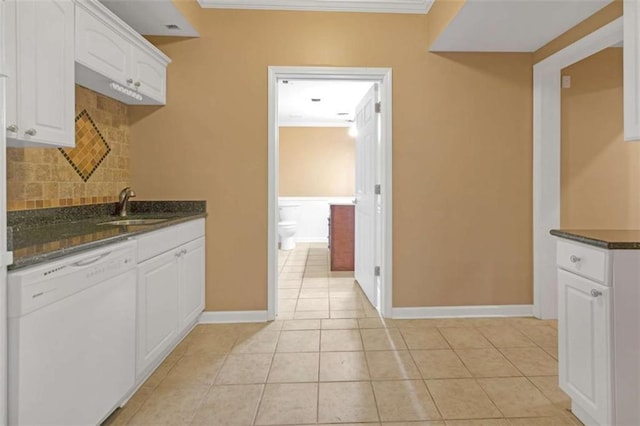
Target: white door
(584, 339)
(158, 316)
(191, 281)
(3, 249)
(367, 141)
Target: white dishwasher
(72, 337)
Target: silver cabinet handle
(596, 293)
(574, 259)
(31, 132)
(129, 80)
(183, 251)
(13, 128)
(137, 84)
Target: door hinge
(378, 106)
(377, 189)
(376, 271)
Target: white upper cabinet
(40, 66)
(112, 59)
(631, 70)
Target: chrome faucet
(124, 196)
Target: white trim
(372, 6)
(384, 77)
(215, 317)
(631, 69)
(546, 159)
(463, 311)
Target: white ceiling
(379, 6)
(150, 17)
(512, 25)
(296, 109)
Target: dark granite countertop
(38, 236)
(611, 239)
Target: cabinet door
(158, 319)
(10, 67)
(192, 280)
(46, 79)
(149, 76)
(100, 48)
(584, 333)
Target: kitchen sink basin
(133, 222)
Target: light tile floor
(329, 359)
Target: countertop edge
(36, 259)
(608, 245)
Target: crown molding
(369, 6)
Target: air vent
(343, 113)
(315, 99)
(172, 27)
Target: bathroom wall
(600, 173)
(316, 162)
(44, 177)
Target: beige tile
(261, 342)
(321, 304)
(392, 365)
(161, 372)
(294, 367)
(462, 399)
(210, 343)
(123, 415)
(288, 404)
(244, 369)
(404, 400)
(506, 337)
(375, 323)
(349, 314)
(478, 422)
(195, 370)
(548, 385)
(415, 323)
(170, 405)
(344, 304)
(290, 276)
(299, 341)
(284, 315)
(518, 397)
(544, 421)
(339, 324)
(293, 268)
(311, 324)
(532, 361)
(289, 284)
(311, 315)
(487, 363)
(347, 402)
(439, 364)
(542, 335)
(287, 305)
(229, 405)
(288, 293)
(343, 366)
(382, 339)
(431, 423)
(317, 293)
(424, 338)
(464, 338)
(341, 340)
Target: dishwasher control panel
(35, 287)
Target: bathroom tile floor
(329, 359)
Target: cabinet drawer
(584, 260)
(158, 242)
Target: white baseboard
(463, 311)
(214, 317)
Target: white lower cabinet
(171, 281)
(158, 287)
(584, 309)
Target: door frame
(383, 76)
(547, 130)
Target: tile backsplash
(93, 172)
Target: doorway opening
(364, 199)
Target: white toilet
(287, 225)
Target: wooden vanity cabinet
(341, 237)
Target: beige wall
(604, 16)
(462, 159)
(600, 172)
(42, 177)
(316, 162)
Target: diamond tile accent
(91, 148)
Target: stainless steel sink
(133, 222)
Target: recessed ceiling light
(315, 99)
(173, 27)
(343, 113)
